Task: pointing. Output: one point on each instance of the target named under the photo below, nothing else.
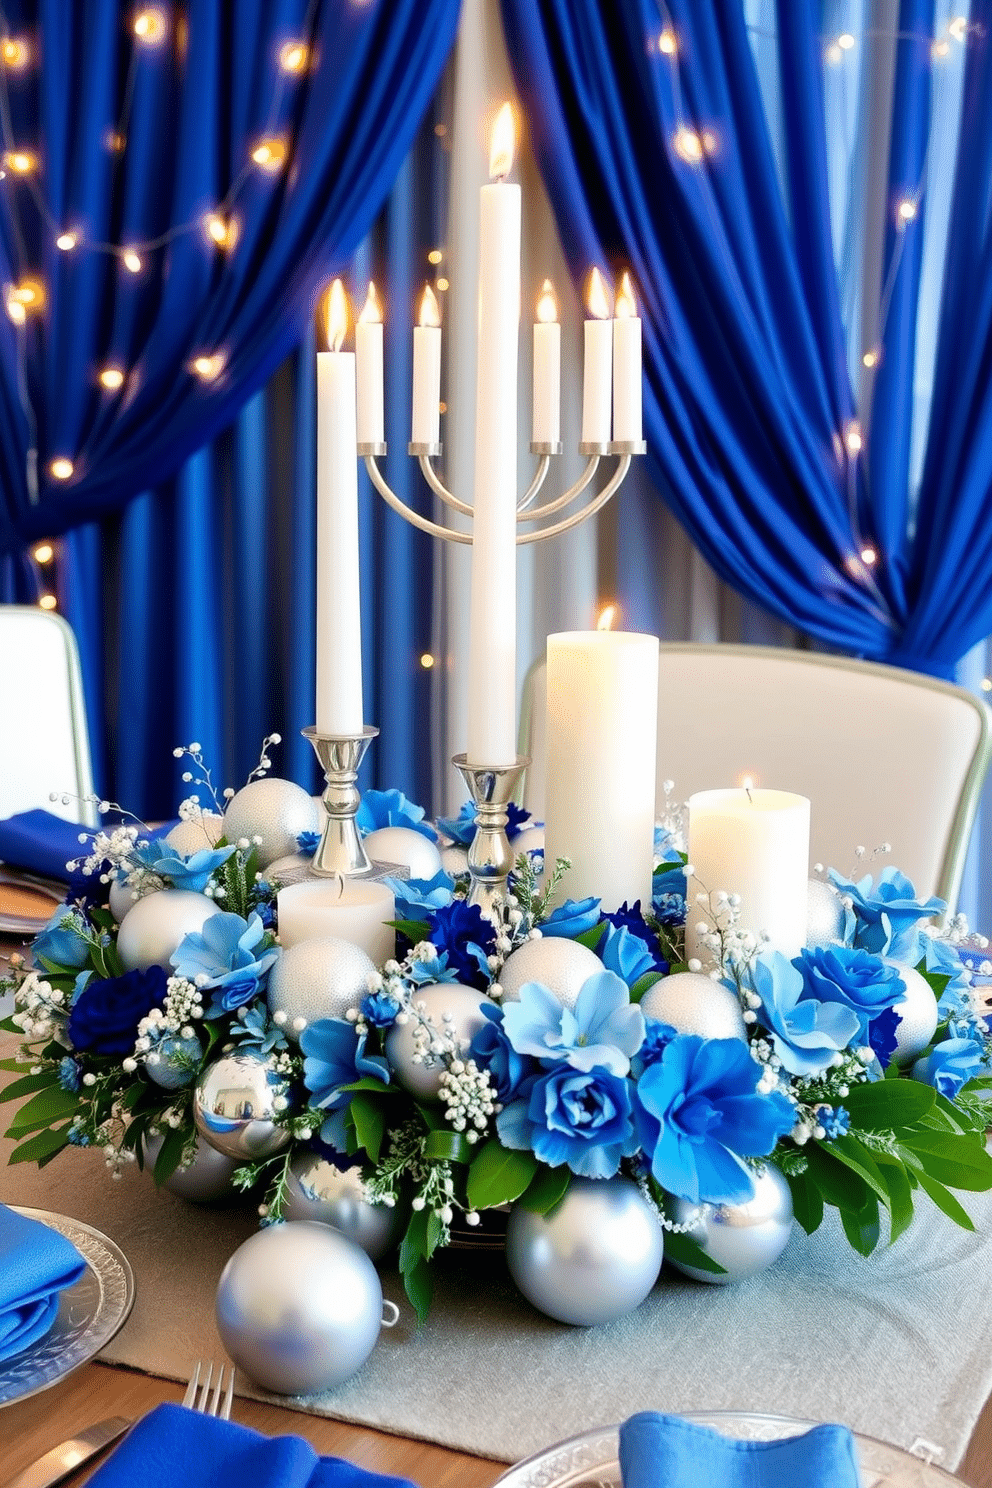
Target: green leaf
(945, 1201)
(896, 1180)
(671, 867)
(370, 1124)
(416, 1273)
(591, 938)
(498, 1175)
(169, 1154)
(854, 1155)
(27, 1083)
(642, 984)
(838, 1184)
(42, 1147)
(689, 1252)
(546, 1189)
(447, 1146)
(807, 1201)
(888, 1105)
(368, 1083)
(414, 930)
(9, 1026)
(44, 1108)
(958, 1161)
(418, 1283)
(862, 1228)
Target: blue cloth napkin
(44, 843)
(659, 1451)
(36, 1264)
(172, 1444)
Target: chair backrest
(44, 746)
(884, 755)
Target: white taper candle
(368, 363)
(627, 424)
(425, 425)
(546, 428)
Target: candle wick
(749, 795)
(339, 881)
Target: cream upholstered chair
(44, 745)
(884, 755)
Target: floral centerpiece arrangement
(506, 1061)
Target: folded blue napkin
(44, 843)
(659, 1451)
(172, 1444)
(36, 1264)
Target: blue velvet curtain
(663, 164)
(128, 143)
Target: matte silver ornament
(235, 1105)
(174, 1062)
(560, 965)
(275, 810)
(193, 836)
(154, 926)
(454, 859)
(319, 1190)
(450, 1007)
(593, 1258)
(318, 979)
(123, 896)
(742, 1238)
(207, 1178)
(299, 1308)
(824, 915)
(692, 1003)
(918, 1015)
(406, 847)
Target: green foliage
(499, 1175)
(688, 1252)
(546, 1189)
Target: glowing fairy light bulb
(427, 661)
(15, 53)
(667, 42)
(868, 556)
(688, 145)
(906, 211)
(853, 438)
(293, 57)
(208, 367)
(111, 378)
(66, 241)
(270, 154)
(871, 358)
(958, 27)
(150, 26)
(131, 261)
(221, 230)
(20, 162)
(15, 310)
(43, 553)
(833, 54)
(47, 602)
(845, 41)
(60, 468)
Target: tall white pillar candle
(627, 423)
(597, 375)
(425, 426)
(339, 618)
(602, 738)
(492, 684)
(353, 911)
(546, 428)
(754, 843)
(368, 362)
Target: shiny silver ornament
(236, 1102)
(593, 1258)
(174, 1062)
(918, 1015)
(275, 810)
(123, 896)
(207, 1178)
(454, 859)
(318, 979)
(692, 1003)
(319, 1190)
(406, 847)
(299, 1308)
(824, 915)
(559, 964)
(154, 927)
(451, 1008)
(742, 1238)
(193, 836)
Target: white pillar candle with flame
(602, 743)
(547, 369)
(339, 617)
(368, 361)
(492, 683)
(627, 426)
(597, 374)
(425, 427)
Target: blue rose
(390, 808)
(417, 897)
(581, 1118)
(948, 960)
(60, 943)
(493, 1052)
(573, 918)
(855, 978)
(462, 932)
(698, 1114)
(625, 954)
(950, 1065)
(806, 1033)
(604, 1028)
(885, 917)
(222, 956)
(379, 1009)
(104, 1017)
(657, 1037)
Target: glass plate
(590, 1460)
(89, 1314)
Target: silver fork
(217, 1404)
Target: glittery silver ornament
(235, 1104)
(824, 915)
(318, 979)
(454, 859)
(452, 1009)
(692, 1003)
(742, 1238)
(318, 1189)
(173, 1062)
(124, 896)
(299, 1308)
(154, 926)
(593, 1258)
(918, 1015)
(207, 1178)
(275, 810)
(559, 964)
(404, 846)
(530, 839)
(188, 837)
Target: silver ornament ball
(235, 1105)
(299, 1308)
(319, 1190)
(124, 896)
(196, 835)
(559, 964)
(406, 847)
(207, 1178)
(293, 868)
(449, 1006)
(824, 915)
(742, 1238)
(692, 1003)
(275, 810)
(174, 1062)
(454, 859)
(593, 1258)
(318, 979)
(918, 1015)
(154, 926)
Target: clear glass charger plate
(89, 1314)
(590, 1459)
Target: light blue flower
(192, 872)
(604, 1028)
(945, 959)
(390, 808)
(884, 917)
(950, 1065)
(335, 1058)
(806, 1033)
(253, 1028)
(417, 897)
(379, 1009)
(581, 1118)
(835, 1120)
(70, 1075)
(863, 982)
(573, 918)
(60, 943)
(222, 956)
(623, 952)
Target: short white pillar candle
(348, 909)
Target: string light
(833, 54)
(958, 27)
(15, 309)
(869, 556)
(150, 26)
(845, 41)
(111, 378)
(711, 141)
(21, 162)
(427, 661)
(435, 256)
(209, 368)
(16, 54)
(270, 154)
(906, 211)
(688, 145)
(853, 437)
(131, 261)
(66, 241)
(939, 49)
(61, 468)
(667, 42)
(871, 359)
(43, 553)
(20, 298)
(987, 684)
(48, 602)
(223, 232)
(293, 56)
(114, 141)
(442, 284)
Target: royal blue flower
(950, 1065)
(104, 1017)
(70, 1075)
(492, 1051)
(307, 843)
(192, 872)
(581, 1118)
(625, 954)
(657, 1037)
(604, 1028)
(379, 1009)
(390, 808)
(222, 956)
(60, 943)
(334, 1058)
(697, 1115)
(885, 917)
(573, 918)
(806, 1033)
(467, 937)
(867, 985)
(417, 897)
(668, 907)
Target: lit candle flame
(606, 618)
(501, 143)
(337, 316)
(747, 782)
(430, 315)
(547, 305)
(597, 301)
(371, 310)
(626, 305)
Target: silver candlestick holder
(490, 856)
(341, 851)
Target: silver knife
(68, 1455)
